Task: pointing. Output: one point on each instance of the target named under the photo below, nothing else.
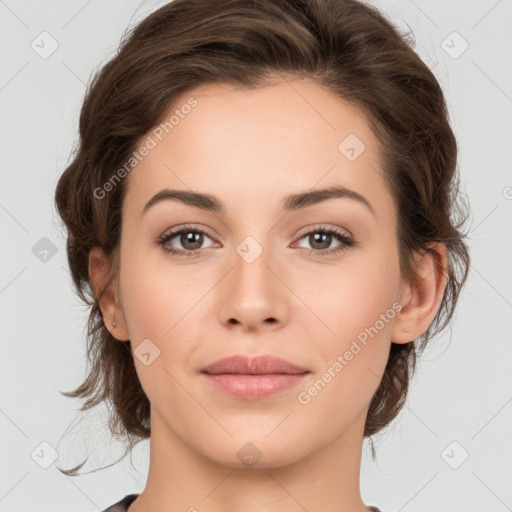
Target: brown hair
(346, 46)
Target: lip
(258, 365)
(253, 378)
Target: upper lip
(258, 365)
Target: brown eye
(190, 239)
(321, 239)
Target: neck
(181, 478)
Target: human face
(259, 281)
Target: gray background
(462, 392)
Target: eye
(191, 239)
(321, 238)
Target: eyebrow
(291, 202)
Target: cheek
(355, 307)
(159, 306)
(345, 300)
(351, 361)
(162, 303)
(158, 294)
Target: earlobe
(104, 288)
(420, 300)
(118, 329)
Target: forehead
(259, 145)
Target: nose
(252, 295)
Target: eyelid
(191, 227)
(324, 227)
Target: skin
(250, 148)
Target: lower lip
(254, 387)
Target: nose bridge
(254, 252)
(252, 259)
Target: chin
(256, 452)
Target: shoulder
(122, 505)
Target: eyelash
(346, 241)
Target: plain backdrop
(450, 449)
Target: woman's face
(265, 277)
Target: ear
(421, 299)
(107, 294)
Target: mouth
(253, 378)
